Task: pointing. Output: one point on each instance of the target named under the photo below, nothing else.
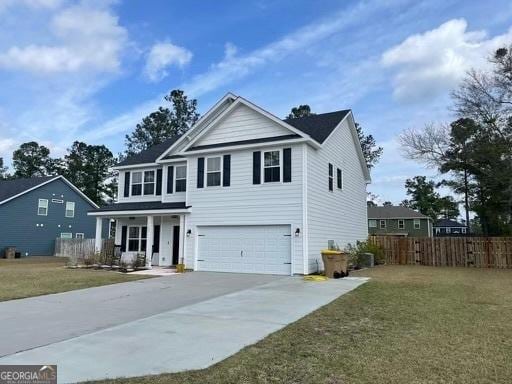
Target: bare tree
(427, 146)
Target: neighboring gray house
(398, 221)
(447, 227)
(244, 191)
(35, 211)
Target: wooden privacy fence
(482, 252)
(81, 249)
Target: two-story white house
(244, 191)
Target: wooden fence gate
(482, 252)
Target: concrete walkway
(191, 337)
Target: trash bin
(334, 261)
(10, 252)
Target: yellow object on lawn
(315, 278)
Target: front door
(175, 244)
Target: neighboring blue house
(35, 211)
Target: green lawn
(407, 325)
(34, 276)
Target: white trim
(82, 235)
(139, 165)
(233, 148)
(403, 223)
(417, 221)
(357, 144)
(202, 119)
(139, 238)
(305, 245)
(399, 217)
(49, 181)
(177, 160)
(262, 170)
(221, 171)
(373, 226)
(138, 213)
(385, 224)
(176, 179)
(66, 233)
(39, 206)
(67, 209)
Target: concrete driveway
(167, 324)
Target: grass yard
(407, 325)
(34, 276)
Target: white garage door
(247, 249)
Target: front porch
(158, 235)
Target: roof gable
(320, 126)
(11, 189)
(149, 155)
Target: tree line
(474, 151)
(89, 167)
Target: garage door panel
(246, 249)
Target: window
(181, 178)
(213, 171)
(417, 224)
(57, 201)
(372, 223)
(271, 166)
(79, 235)
(149, 182)
(448, 230)
(66, 235)
(401, 224)
(137, 239)
(42, 207)
(339, 178)
(382, 224)
(70, 209)
(331, 177)
(463, 230)
(136, 183)
(438, 230)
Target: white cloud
(87, 39)
(161, 57)
(37, 4)
(434, 62)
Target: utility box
(10, 252)
(334, 261)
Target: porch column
(182, 239)
(97, 239)
(149, 241)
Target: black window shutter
(226, 171)
(126, 184)
(200, 172)
(124, 232)
(170, 178)
(256, 167)
(158, 181)
(287, 165)
(339, 178)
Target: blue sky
(90, 70)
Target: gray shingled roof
(140, 206)
(448, 223)
(151, 154)
(394, 212)
(320, 126)
(10, 188)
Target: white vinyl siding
(341, 217)
(245, 203)
(242, 124)
(70, 209)
(42, 207)
(138, 175)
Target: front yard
(34, 276)
(407, 325)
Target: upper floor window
(417, 224)
(372, 223)
(382, 224)
(181, 178)
(213, 171)
(79, 235)
(42, 207)
(339, 178)
(136, 183)
(149, 182)
(66, 235)
(331, 177)
(463, 230)
(70, 209)
(271, 166)
(143, 183)
(401, 224)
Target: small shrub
(361, 247)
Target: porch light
(297, 232)
(189, 232)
